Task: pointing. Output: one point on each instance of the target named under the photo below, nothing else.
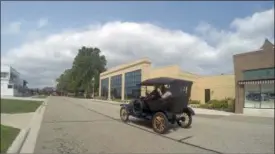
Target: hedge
(227, 104)
(194, 102)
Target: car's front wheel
(160, 123)
(124, 115)
(185, 120)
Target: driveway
(85, 126)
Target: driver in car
(164, 92)
(154, 94)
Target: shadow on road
(78, 121)
(148, 124)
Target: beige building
(121, 82)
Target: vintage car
(162, 112)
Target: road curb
(30, 142)
(18, 142)
(110, 102)
(22, 138)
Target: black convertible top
(164, 80)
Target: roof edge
(125, 66)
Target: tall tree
(87, 65)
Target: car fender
(189, 110)
(128, 106)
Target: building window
(132, 89)
(252, 93)
(267, 94)
(116, 86)
(12, 77)
(259, 96)
(104, 87)
(4, 74)
(9, 86)
(266, 73)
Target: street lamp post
(93, 80)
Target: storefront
(254, 75)
(259, 94)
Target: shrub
(218, 104)
(100, 98)
(194, 105)
(227, 104)
(97, 97)
(222, 104)
(194, 102)
(205, 106)
(210, 106)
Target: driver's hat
(165, 86)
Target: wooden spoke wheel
(160, 123)
(124, 116)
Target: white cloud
(259, 24)
(207, 52)
(12, 28)
(42, 22)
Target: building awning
(266, 81)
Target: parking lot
(84, 126)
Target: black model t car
(162, 111)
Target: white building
(11, 83)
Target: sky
(41, 39)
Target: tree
(65, 82)
(87, 65)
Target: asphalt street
(85, 126)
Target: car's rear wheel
(185, 121)
(124, 115)
(160, 123)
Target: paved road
(84, 126)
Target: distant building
(11, 82)
(121, 82)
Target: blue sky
(172, 15)
(197, 36)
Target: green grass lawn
(8, 134)
(19, 106)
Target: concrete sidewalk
(258, 112)
(199, 111)
(268, 113)
(29, 125)
(23, 98)
(211, 112)
(20, 120)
